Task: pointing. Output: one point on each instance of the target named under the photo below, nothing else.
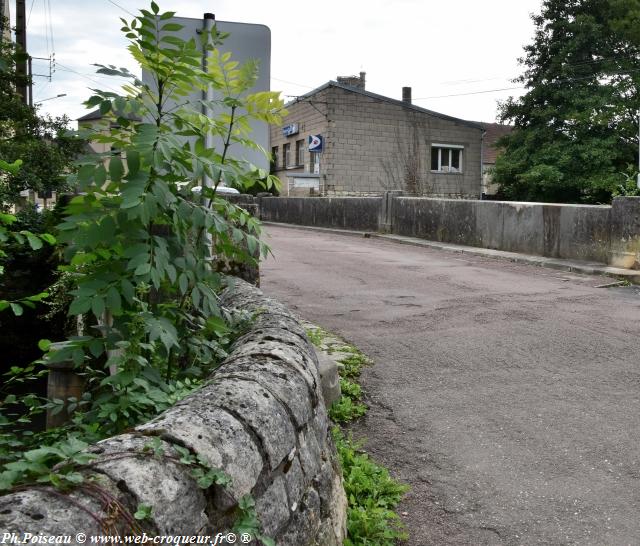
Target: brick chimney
(353, 81)
(406, 95)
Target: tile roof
(493, 132)
(375, 96)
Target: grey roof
(95, 114)
(375, 96)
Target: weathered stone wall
(262, 420)
(601, 233)
(579, 232)
(333, 212)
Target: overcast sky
(464, 49)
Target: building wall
(373, 146)
(311, 117)
(98, 126)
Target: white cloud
(434, 47)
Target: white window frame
(440, 168)
(286, 155)
(314, 162)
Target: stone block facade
(374, 144)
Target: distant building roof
(375, 96)
(95, 114)
(493, 132)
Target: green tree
(576, 126)
(142, 246)
(43, 143)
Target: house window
(274, 158)
(299, 152)
(286, 155)
(446, 158)
(314, 162)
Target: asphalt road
(506, 395)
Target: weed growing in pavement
(351, 366)
(372, 494)
(316, 335)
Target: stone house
(340, 139)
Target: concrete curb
(587, 268)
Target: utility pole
(638, 181)
(2, 21)
(21, 41)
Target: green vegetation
(45, 144)
(372, 494)
(141, 251)
(576, 126)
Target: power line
(123, 9)
(291, 83)
(53, 46)
(67, 69)
(30, 10)
(559, 81)
(472, 93)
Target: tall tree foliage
(576, 127)
(43, 142)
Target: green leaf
(79, 306)
(154, 8)
(16, 308)
(128, 290)
(183, 283)
(97, 306)
(96, 347)
(114, 302)
(116, 169)
(44, 345)
(100, 175)
(47, 237)
(172, 27)
(133, 162)
(143, 269)
(77, 356)
(144, 511)
(34, 242)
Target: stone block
(329, 378)
(309, 453)
(305, 522)
(214, 434)
(625, 233)
(272, 507)
(295, 483)
(49, 513)
(285, 382)
(303, 364)
(256, 407)
(178, 505)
